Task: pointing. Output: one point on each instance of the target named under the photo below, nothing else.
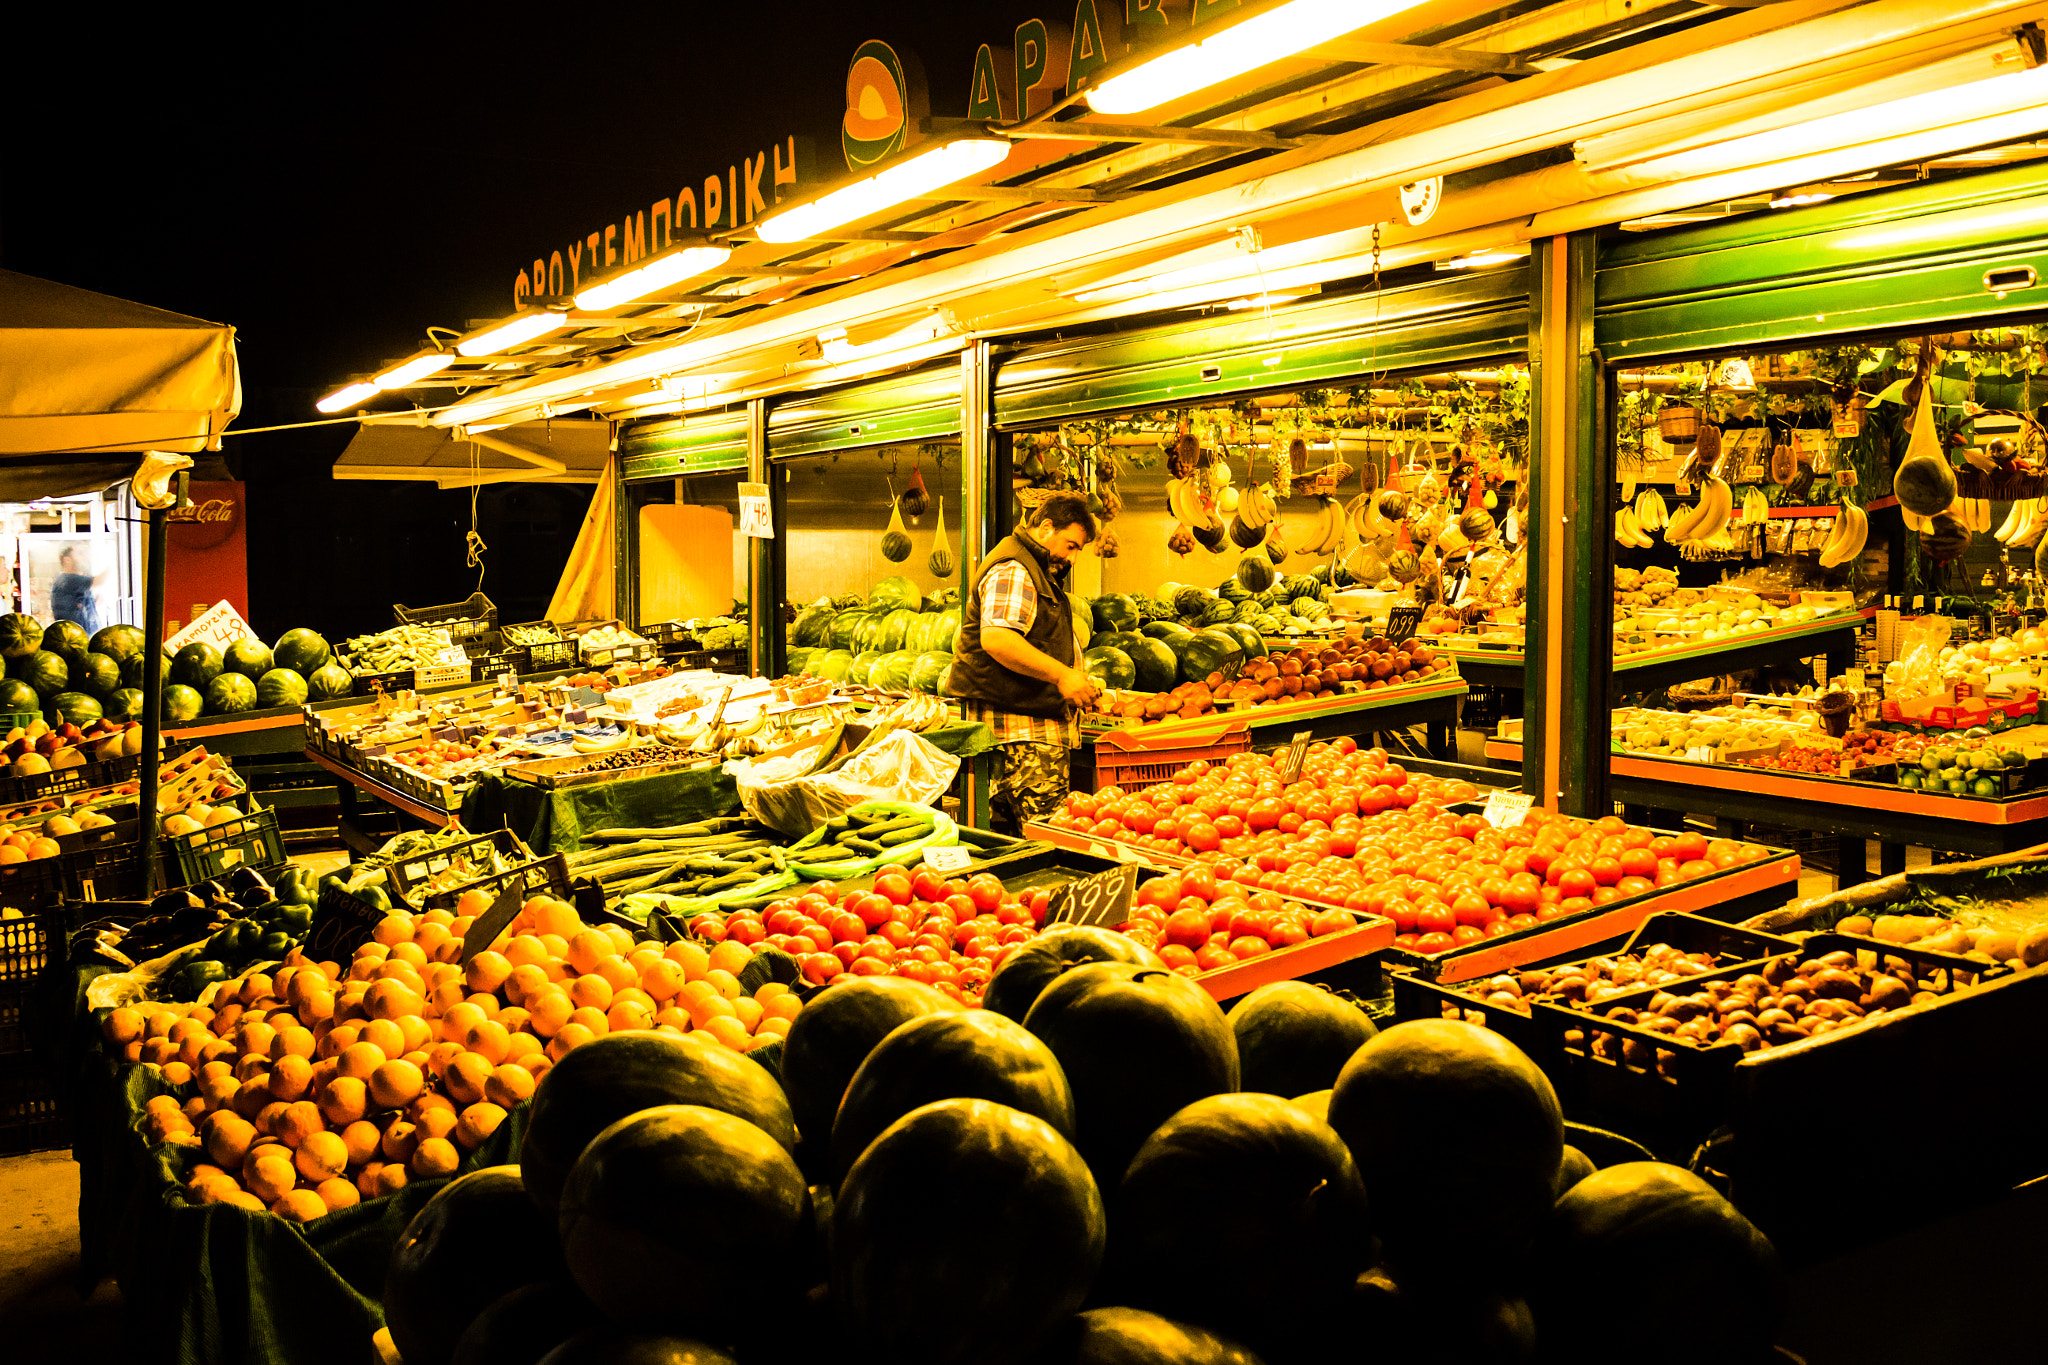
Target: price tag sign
(1403, 622)
(340, 925)
(220, 626)
(1700, 754)
(1752, 473)
(1102, 899)
(485, 928)
(754, 516)
(1505, 809)
(453, 654)
(1290, 770)
(1845, 477)
(949, 858)
(1682, 489)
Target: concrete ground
(42, 1316)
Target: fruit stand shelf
(1434, 704)
(355, 781)
(1852, 811)
(1834, 636)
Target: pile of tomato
(1200, 919)
(946, 933)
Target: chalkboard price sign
(1290, 770)
(1102, 899)
(485, 928)
(1403, 622)
(341, 924)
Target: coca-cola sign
(213, 509)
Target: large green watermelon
(1157, 666)
(76, 707)
(1132, 1336)
(451, 1263)
(526, 1324)
(124, 703)
(1039, 961)
(811, 625)
(1294, 1037)
(910, 1296)
(892, 671)
(1192, 602)
(1247, 637)
(330, 680)
(47, 673)
(1163, 630)
(618, 1074)
(832, 665)
(1206, 651)
(839, 635)
(132, 670)
(67, 638)
(1110, 667)
(1114, 639)
(1230, 590)
(1218, 612)
(229, 693)
(834, 1033)
(98, 674)
(862, 666)
(893, 593)
(1114, 611)
(1255, 573)
(120, 643)
(1299, 585)
(182, 704)
(16, 695)
(868, 635)
(891, 630)
(196, 665)
(928, 674)
(281, 687)
(19, 635)
(300, 650)
(249, 657)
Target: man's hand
(1077, 687)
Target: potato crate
(1126, 759)
(463, 620)
(253, 840)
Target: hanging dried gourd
(914, 500)
(941, 561)
(895, 540)
(1107, 546)
(1183, 456)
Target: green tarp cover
(552, 821)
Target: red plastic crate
(1126, 759)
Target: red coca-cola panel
(206, 554)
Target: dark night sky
(331, 181)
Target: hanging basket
(1678, 426)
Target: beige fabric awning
(89, 376)
(562, 451)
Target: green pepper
(274, 944)
(265, 913)
(293, 919)
(196, 975)
(373, 896)
(297, 886)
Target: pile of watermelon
(894, 638)
(902, 1179)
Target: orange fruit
(395, 1083)
(300, 1120)
(290, 1077)
(300, 1206)
(724, 982)
(392, 1178)
(399, 1140)
(270, 1175)
(268, 1117)
(670, 1017)
(730, 956)
(628, 1016)
(338, 1193)
(12, 853)
(227, 1137)
(472, 902)
(44, 848)
(177, 1072)
(783, 1006)
(416, 1032)
(520, 1045)
(436, 1123)
(488, 1040)
(478, 1122)
(693, 958)
(489, 1003)
(593, 992)
(590, 1019)
(661, 979)
(526, 981)
(441, 1056)
(411, 953)
(551, 916)
(345, 1100)
(730, 1031)
(338, 1038)
(548, 1010)
(392, 929)
(525, 950)
(253, 1097)
(770, 989)
(487, 971)
(435, 1157)
(322, 1156)
(458, 1019)
(386, 1036)
(210, 1186)
(390, 998)
(360, 1060)
(513, 1018)
(361, 1138)
(774, 1026)
(317, 1005)
(292, 1042)
(508, 1085)
(465, 1076)
(217, 1090)
(256, 1039)
(584, 949)
(570, 1037)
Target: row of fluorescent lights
(1229, 50)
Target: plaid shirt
(1009, 602)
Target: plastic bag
(943, 832)
(900, 766)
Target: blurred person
(74, 597)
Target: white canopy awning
(561, 451)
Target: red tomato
(1229, 826)
(1574, 905)
(1634, 886)
(1287, 931)
(1638, 862)
(1688, 846)
(1190, 928)
(1604, 894)
(847, 927)
(874, 910)
(985, 891)
(1210, 956)
(847, 953)
(1433, 917)
(1331, 922)
(893, 887)
(1176, 955)
(1465, 934)
(1574, 881)
(1434, 943)
(1201, 836)
(1606, 870)
(710, 928)
(1249, 945)
(1472, 908)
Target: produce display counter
(1432, 704)
(268, 748)
(356, 784)
(1854, 812)
(1649, 670)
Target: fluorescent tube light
(502, 336)
(346, 398)
(1235, 49)
(912, 176)
(1485, 256)
(412, 371)
(658, 273)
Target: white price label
(1700, 754)
(755, 519)
(1505, 809)
(948, 858)
(1845, 478)
(453, 654)
(220, 627)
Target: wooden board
(685, 562)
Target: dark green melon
(182, 705)
(1294, 1037)
(75, 707)
(1458, 1136)
(1665, 1257)
(19, 635)
(68, 639)
(1138, 1044)
(196, 665)
(301, 650)
(1255, 573)
(478, 1239)
(133, 671)
(1163, 630)
(16, 695)
(1034, 965)
(961, 1054)
(125, 703)
(618, 1074)
(912, 1295)
(1295, 1219)
(1114, 611)
(98, 674)
(119, 643)
(1156, 665)
(1132, 1336)
(46, 672)
(249, 657)
(1109, 667)
(1248, 639)
(229, 693)
(524, 1325)
(1316, 1104)
(684, 1218)
(833, 1034)
(1205, 651)
(281, 687)
(610, 1345)
(329, 681)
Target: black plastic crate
(668, 633)
(28, 944)
(253, 840)
(370, 684)
(105, 872)
(32, 1116)
(100, 773)
(463, 620)
(526, 634)
(31, 886)
(488, 667)
(552, 655)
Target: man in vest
(1014, 664)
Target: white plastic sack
(901, 766)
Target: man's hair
(1064, 510)
(68, 552)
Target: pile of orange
(19, 846)
(317, 1087)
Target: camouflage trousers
(1031, 785)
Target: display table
(1650, 670)
(1853, 812)
(355, 782)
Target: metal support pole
(152, 691)
(977, 479)
(765, 558)
(1570, 616)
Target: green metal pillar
(979, 487)
(625, 547)
(1570, 616)
(765, 558)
